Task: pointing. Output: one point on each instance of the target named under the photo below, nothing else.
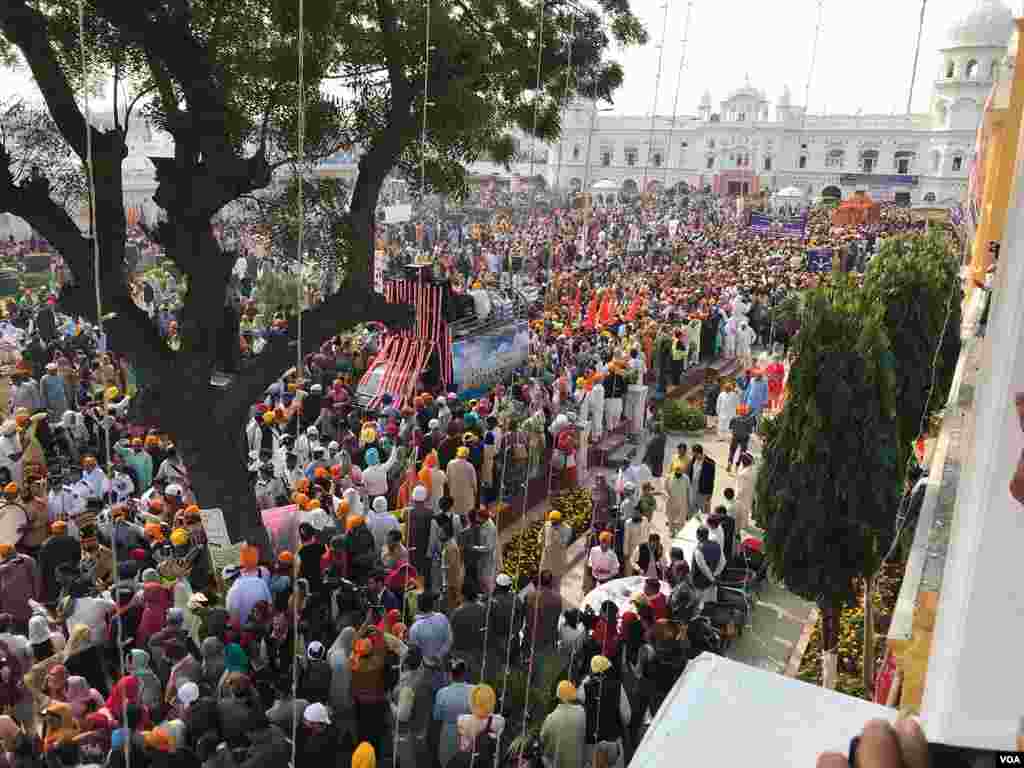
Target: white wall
(972, 694)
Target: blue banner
(795, 227)
(480, 362)
(819, 260)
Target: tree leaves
(828, 488)
(915, 279)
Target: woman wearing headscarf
(150, 689)
(156, 601)
(127, 691)
(82, 698)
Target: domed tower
(704, 110)
(970, 64)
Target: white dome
(746, 90)
(990, 24)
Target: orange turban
(342, 510)
(426, 476)
(250, 557)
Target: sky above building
(864, 61)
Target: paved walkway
(778, 619)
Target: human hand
(884, 746)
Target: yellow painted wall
(912, 655)
(1002, 126)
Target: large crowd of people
(387, 629)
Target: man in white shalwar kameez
(728, 400)
(744, 339)
(731, 326)
(596, 410)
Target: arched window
(971, 71)
(835, 158)
(929, 197)
(958, 163)
(803, 162)
(576, 152)
(950, 69)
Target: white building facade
(745, 146)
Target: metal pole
(917, 54)
(814, 59)
(565, 102)
(654, 106)
(586, 172)
(528, 247)
(679, 83)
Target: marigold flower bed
(850, 667)
(520, 557)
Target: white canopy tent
(789, 200)
(605, 191)
(790, 193)
(724, 712)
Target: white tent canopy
(790, 192)
(783, 722)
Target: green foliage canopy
(915, 278)
(829, 485)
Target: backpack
(484, 747)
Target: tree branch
(30, 200)
(271, 102)
(352, 305)
(131, 105)
(28, 29)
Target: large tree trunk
(212, 447)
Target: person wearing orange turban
(433, 479)
(249, 557)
